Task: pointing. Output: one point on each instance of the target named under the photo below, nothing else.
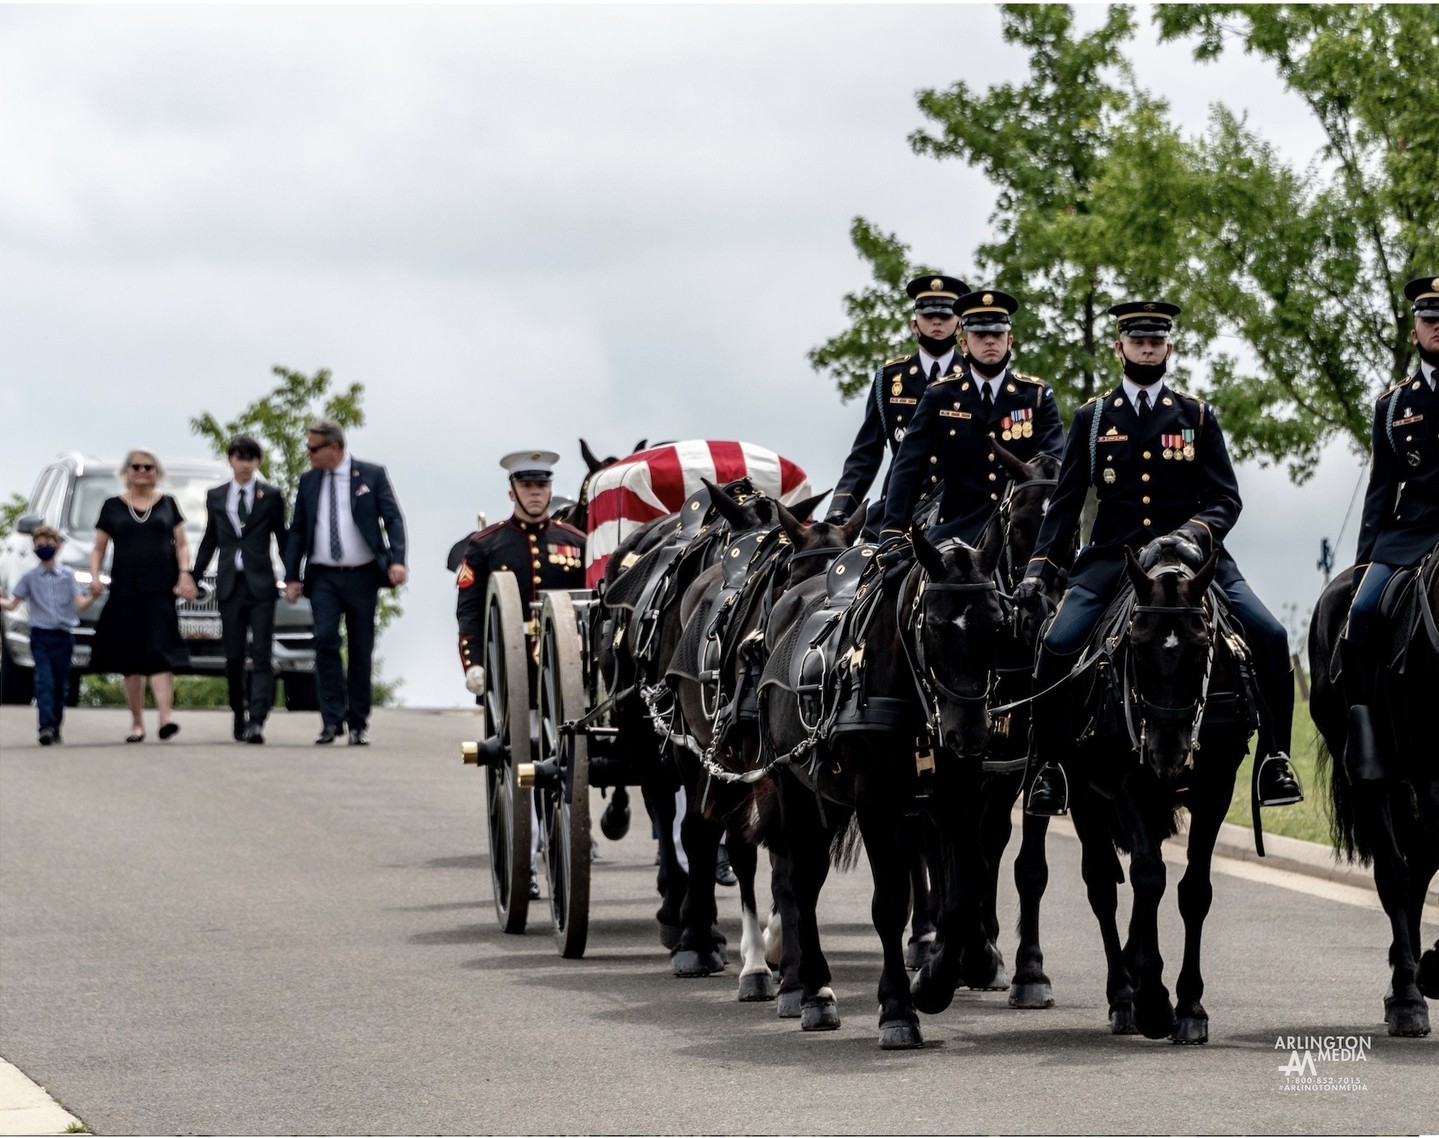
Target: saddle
(1403, 610)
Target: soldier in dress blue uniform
(1157, 460)
(1397, 530)
(896, 392)
(540, 552)
(949, 440)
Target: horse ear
(728, 508)
(792, 526)
(855, 525)
(991, 545)
(1017, 468)
(929, 557)
(803, 510)
(588, 455)
(639, 446)
(1137, 576)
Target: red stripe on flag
(729, 461)
(790, 475)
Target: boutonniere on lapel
(363, 489)
(259, 493)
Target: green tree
(1308, 266)
(10, 511)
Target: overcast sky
(515, 226)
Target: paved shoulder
(26, 1109)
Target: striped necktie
(336, 551)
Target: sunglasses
(314, 449)
(142, 466)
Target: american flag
(652, 483)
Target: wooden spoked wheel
(507, 712)
(564, 799)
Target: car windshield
(91, 490)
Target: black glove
(1189, 545)
(1029, 592)
(836, 517)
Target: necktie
(933, 371)
(335, 551)
(1143, 408)
(988, 399)
(243, 507)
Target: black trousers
(354, 595)
(245, 617)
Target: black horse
(899, 729)
(1164, 724)
(1388, 815)
(720, 645)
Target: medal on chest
(1018, 424)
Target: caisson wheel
(564, 796)
(507, 714)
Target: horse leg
(881, 825)
(1427, 974)
(807, 839)
(672, 882)
(1102, 873)
(791, 993)
(696, 953)
(755, 982)
(1153, 1011)
(1031, 987)
(922, 927)
(984, 971)
(1196, 894)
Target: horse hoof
(1406, 1019)
(929, 995)
(1191, 1029)
(1121, 1020)
(670, 935)
(819, 1014)
(755, 987)
(900, 1035)
(1428, 974)
(689, 963)
(998, 982)
(787, 1006)
(1155, 1024)
(917, 954)
(1031, 994)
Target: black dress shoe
(1278, 785)
(1049, 796)
(254, 733)
(239, 727)
(47, 736)
(358, 737)
(327, 735)
(724, 872)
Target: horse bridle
(927, 681)
(1193, 711)
(1007, 564)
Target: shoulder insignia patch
(466, 576)
(899, 360)
(1027, 378)
(1186, 395)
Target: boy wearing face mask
(54, 597)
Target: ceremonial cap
(1423, 293)
(531, 465)
(935, 293)
(986, 311)
(1145, 317)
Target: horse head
(1171, 650)
(956, 622)
(815, 546)
(1022, 509)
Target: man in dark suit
(349, 533)
(241, 517)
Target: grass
(1309, 819)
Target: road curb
(25, 1108)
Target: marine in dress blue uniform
(950, 440)
(1157, 461)
(1401, 506)
(898, 386)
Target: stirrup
(1063, 807)
(1284, 798)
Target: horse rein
(1194, 711)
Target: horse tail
(844, 847)
(1344, 833)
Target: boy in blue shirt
(54, 597)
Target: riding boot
(1049, 729)
(1361, 749)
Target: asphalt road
(197, 936)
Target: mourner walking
(895, 394)
(346, 543)
(541, 553)
(1158, 462)
(242, 516)
(1396, 533)
(950, 440)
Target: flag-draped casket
(652, 483)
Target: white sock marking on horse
(774, 940)
(751, 942)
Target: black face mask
(989, 371)
(937, 348)
(1145, 374)
(44, 552)
(1430, 358)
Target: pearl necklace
(141, 518)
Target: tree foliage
(10, 511)
(1290, 279)
(278, 421)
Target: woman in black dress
(138, 633)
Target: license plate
(200, 627)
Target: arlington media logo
(1311, 1057)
